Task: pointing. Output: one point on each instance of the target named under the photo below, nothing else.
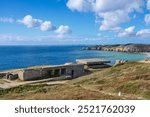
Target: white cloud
(46, 26)
(148, 4)
(53, 39)
(30, 22)
(117, 13)
(147, 19)
(80, 5)
(128, 32)
(113, 19)
(6, 20)
(116, 29)
(10, 37)
(63, 30)
(110, 5)
(113, 13)
(143, 33)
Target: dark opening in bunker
(63, 71)
(56, 72)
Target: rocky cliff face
(133, 48)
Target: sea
(13, 57)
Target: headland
(130, 48)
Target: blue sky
(73, 22)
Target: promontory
(131, 48)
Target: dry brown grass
(60, 92)
(132, 79)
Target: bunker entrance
(50, 73)
(57, 72)
(63, 71)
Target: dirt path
(10, 84)
(123, 96)
(143, 61)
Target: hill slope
(132, 80)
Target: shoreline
(22, 68)
(50, 56)
(146, 53)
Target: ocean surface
(12, 57)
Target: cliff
(132, 48)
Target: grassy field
(132, 80)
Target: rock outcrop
(131, 48)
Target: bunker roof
(92, 60)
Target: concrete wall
(21, 74)
(33, 74)
(30, 74)
(77, 70)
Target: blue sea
(12, 57)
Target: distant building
(94, 62)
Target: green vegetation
(130, 87)
(21, 89)
(52, 92)
(146, 95)
(132, 79)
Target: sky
(74, 22)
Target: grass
(132, 79)
(146, 95)
(129, 88)
(63, 92)
(21, 89)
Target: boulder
(12, 76)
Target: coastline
(146, 53)
(37, 66)
(131, 87)
(23, 57)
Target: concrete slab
(92, 61)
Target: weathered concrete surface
(43, 72)
(30, 74)
(73, 70)
(92, 61)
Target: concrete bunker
(69, 71)
(66, 71)
(94, 63)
